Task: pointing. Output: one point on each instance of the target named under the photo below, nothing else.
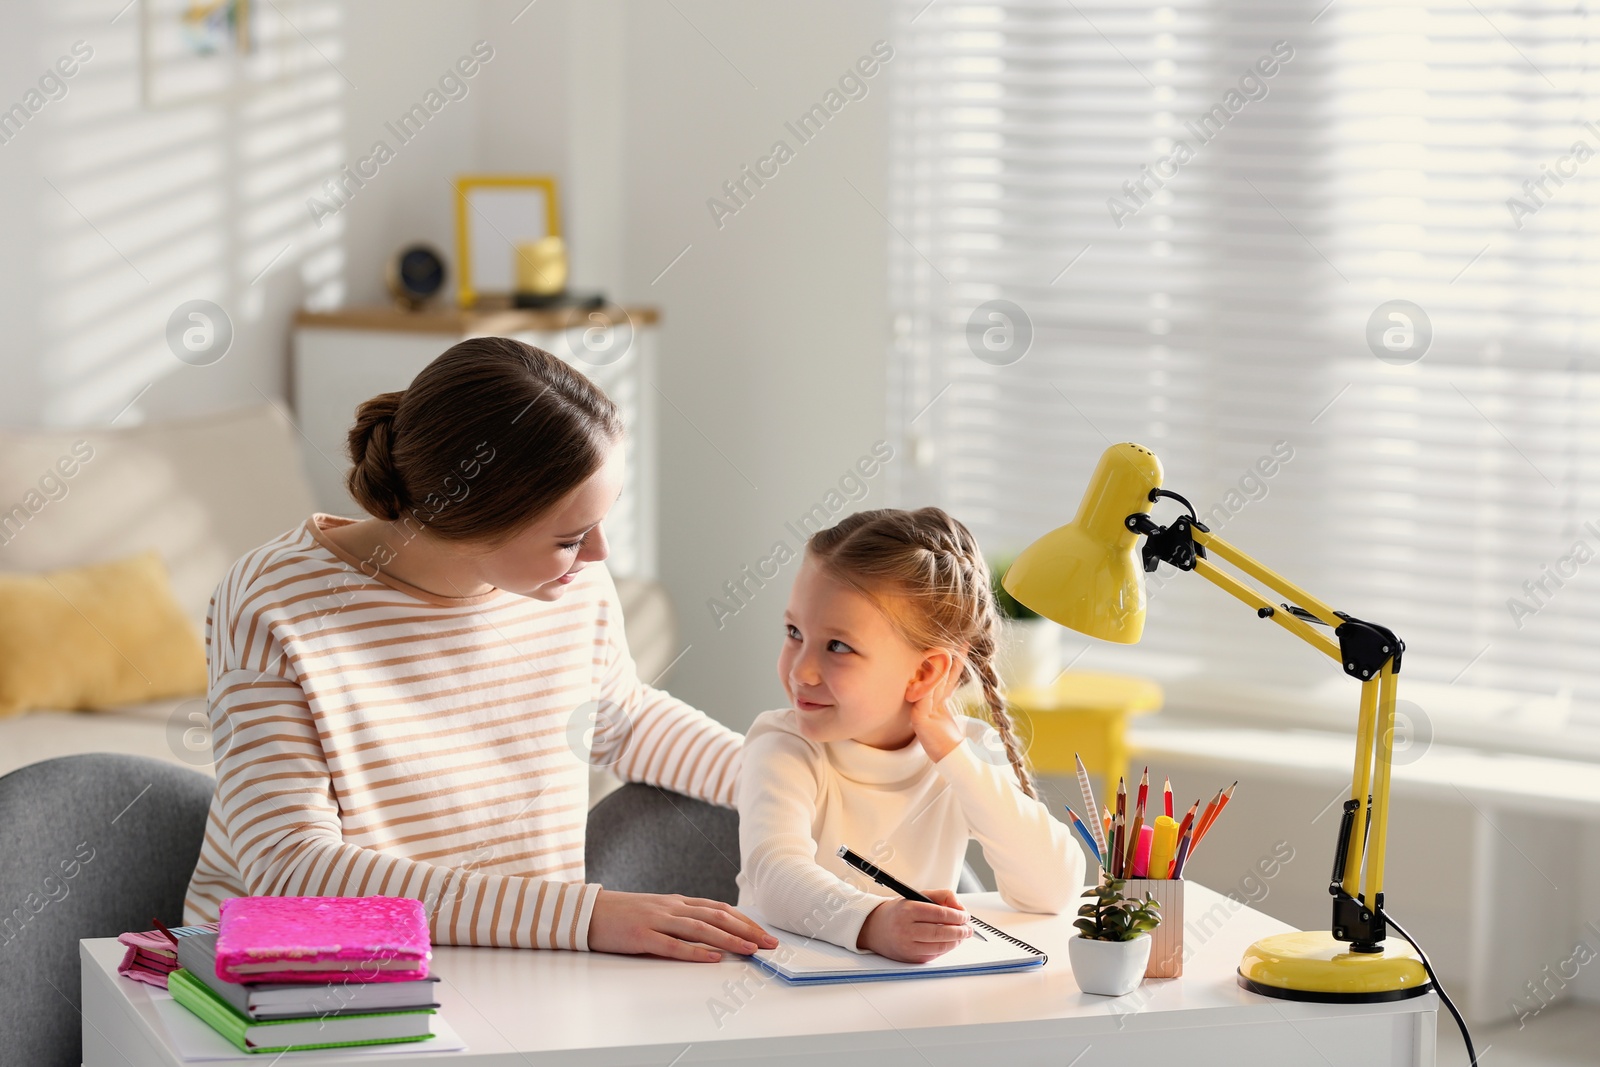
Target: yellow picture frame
(499, 211)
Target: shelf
(458, 322)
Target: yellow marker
(1164, 846)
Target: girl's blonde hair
(924, 570)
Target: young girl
(891, 610)
(394, 700)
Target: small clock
(415, 275)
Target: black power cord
(1472, 1056)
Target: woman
(398, 704)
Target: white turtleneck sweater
(800, 800)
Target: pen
(163, 928)
(889, 881)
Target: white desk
(520, 1007)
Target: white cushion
(202, 492)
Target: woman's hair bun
(485, 439)
(374, 481)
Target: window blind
(1197, 219)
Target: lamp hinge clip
(1364, 647)
(1173, 544)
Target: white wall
(117, 213)
(775, 325)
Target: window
(1200, 218)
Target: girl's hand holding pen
(911, 931)
(677, 927)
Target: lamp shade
(1087, 575)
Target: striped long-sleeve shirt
(372, 738)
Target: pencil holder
(1166, 940)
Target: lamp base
(1311, 965)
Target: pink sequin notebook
(322, 939)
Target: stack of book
(288, 973)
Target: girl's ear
(936, 675)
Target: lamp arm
(1288, 620)
(1363, 648)
(1366, 651)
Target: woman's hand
(677, 927)
(935, 721)
(913, 932)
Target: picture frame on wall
(200, 51)
(495, 213)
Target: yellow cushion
(95, 637)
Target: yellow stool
(1083, 712)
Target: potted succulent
(1029, 653)
(1113, 943)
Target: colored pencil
(1206, 828)
(1182, 859)
(1138, 820)
(1166, 799)
(1118, 846)
(1185, 829)
(1125, 811)
(1210, 816)
(1206, 815)
(1133, 841)
(1089, 807)
(1083, 832)
(1194, 836)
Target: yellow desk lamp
(1089, 575)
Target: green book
(287, 1035)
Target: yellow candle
(541, 266)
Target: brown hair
(488, 437)
(924, 569)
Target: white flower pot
(1029, 656)
(1109, 968)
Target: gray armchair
(90, 846)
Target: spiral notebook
(803, 960)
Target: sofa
(201, 492)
